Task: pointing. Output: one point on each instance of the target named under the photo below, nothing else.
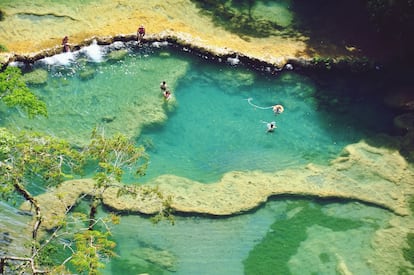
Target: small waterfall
(63, 59)
(94, 52)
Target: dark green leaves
(15, 93)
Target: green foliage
(52, 255)
(3, 48)
(91, 246)
(15, 93)
(236, 16)
(113, 155)
(149, 192)
(26, 156)
(1, 15)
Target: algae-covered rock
(87, 73)
(117, 55)
(162, 258)
(36, 77)
(108, 119)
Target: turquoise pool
(216, 123)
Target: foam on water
(93, 51)
(63, 59)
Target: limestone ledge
(199, 47)
(376, 176)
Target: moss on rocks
(87, 73)
(117, 55)
(36, 77)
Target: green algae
(36, 77)
(82, 96)
(272, 254)
(409, 252)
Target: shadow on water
(336, 27)
(241, 17)
(331, 28)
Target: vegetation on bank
(369, 23)
(28, 157)
(15, 93)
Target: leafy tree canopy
(15, 93)
(27, 156)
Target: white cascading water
(63, 59)
(93, 51)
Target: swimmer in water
(167, 95)
(163, 86)
(278, 109)
(271, 126)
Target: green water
(208, 129)
(283, 237)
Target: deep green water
(209, 129)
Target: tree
(25, 157)
(15, 93)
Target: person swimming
(167, 95)
(163, 86)
(278, 109)
(271, 126)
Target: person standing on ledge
(140, 33)
(65, 43)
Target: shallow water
(214, 124)
(283, 237)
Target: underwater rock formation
(161, 258)
(117, 55)
(36, 77)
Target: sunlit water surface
(216, 123)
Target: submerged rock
(161, 258)
(108, 119)
(117, 55)
(36, 77)
(87, 73)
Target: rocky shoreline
(219, 54)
